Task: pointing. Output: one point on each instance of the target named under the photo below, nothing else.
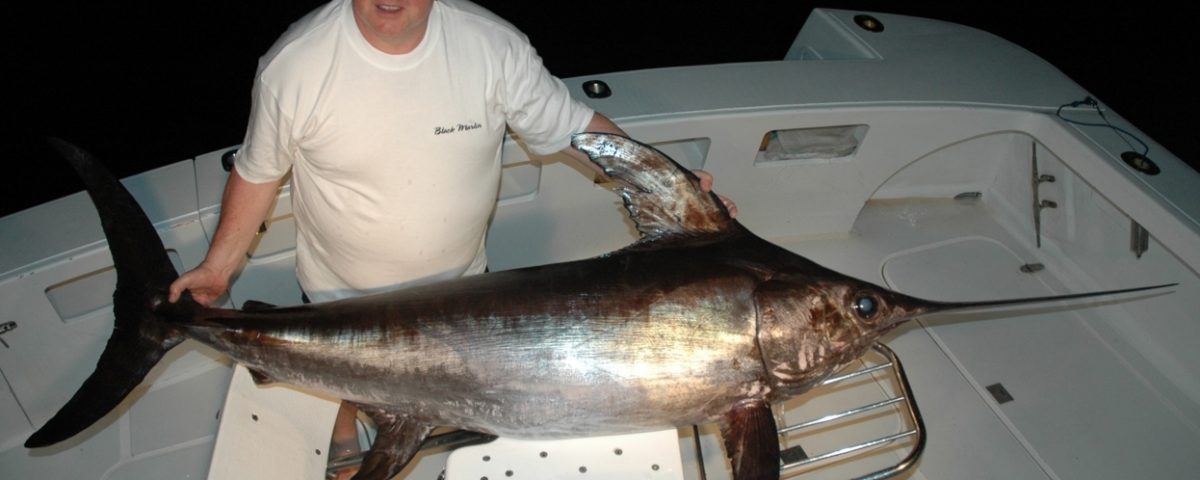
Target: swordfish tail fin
(143, 331)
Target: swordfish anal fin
(398, 439)
(663, 198)
(752, 441)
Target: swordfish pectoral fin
(663, 198)
(752, 441)
(399, 438)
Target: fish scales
(649, 350)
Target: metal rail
(913, 419)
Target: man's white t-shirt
(395, 159)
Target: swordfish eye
(865, 306)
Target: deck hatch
(805, 146)
(691, 153)
(90, 293)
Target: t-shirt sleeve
(268, 150)
(539, 107)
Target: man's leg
(344, 441)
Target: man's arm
(243, 208)
(601, 124)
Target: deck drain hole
(596, 89)
(618, 451)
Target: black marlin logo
(455, 128)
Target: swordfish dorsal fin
(663, 198)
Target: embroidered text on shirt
(461, 127)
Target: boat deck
(1084, 404)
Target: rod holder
(1139, 239)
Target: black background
(146, 84)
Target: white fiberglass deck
(1085, 405)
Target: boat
(931, 158)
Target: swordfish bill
(698, 321)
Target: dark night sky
(141, 85)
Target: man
(390, 115)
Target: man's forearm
(243, 209)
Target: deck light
(1140, 163)
(869, 23)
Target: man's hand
(204, 283)
(706, 184)
(243, 208)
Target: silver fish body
(635, 341)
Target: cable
(1122, 133)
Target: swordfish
(699, 321)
